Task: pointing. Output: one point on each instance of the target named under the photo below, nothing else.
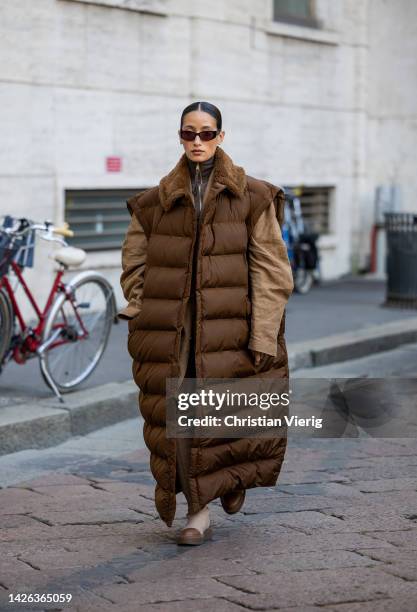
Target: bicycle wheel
(303, 280)
(6, 324)
(78, 329)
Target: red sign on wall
(113, 164)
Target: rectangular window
(298, 12)
(315, 207)
(98, 217)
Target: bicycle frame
(32, 337)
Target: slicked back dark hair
(207, 107)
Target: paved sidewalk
(31, 417)
(39, 423)
(338, 533)
(335, 307)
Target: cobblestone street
(339, 531)
(220, 192)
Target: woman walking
(207, 277)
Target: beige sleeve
(133, 252)
(271, 281)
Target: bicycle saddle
(69, 256)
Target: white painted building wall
(80, 81)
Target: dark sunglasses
(204, 136)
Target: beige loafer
(190, 536)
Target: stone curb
(47, 422)
(352, 345)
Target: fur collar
(225, 175)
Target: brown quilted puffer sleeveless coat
(223, 308)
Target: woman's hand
(259, 357)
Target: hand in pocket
(259, 358)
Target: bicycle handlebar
(47, 226)
(64, 230)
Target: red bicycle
(72, 330)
